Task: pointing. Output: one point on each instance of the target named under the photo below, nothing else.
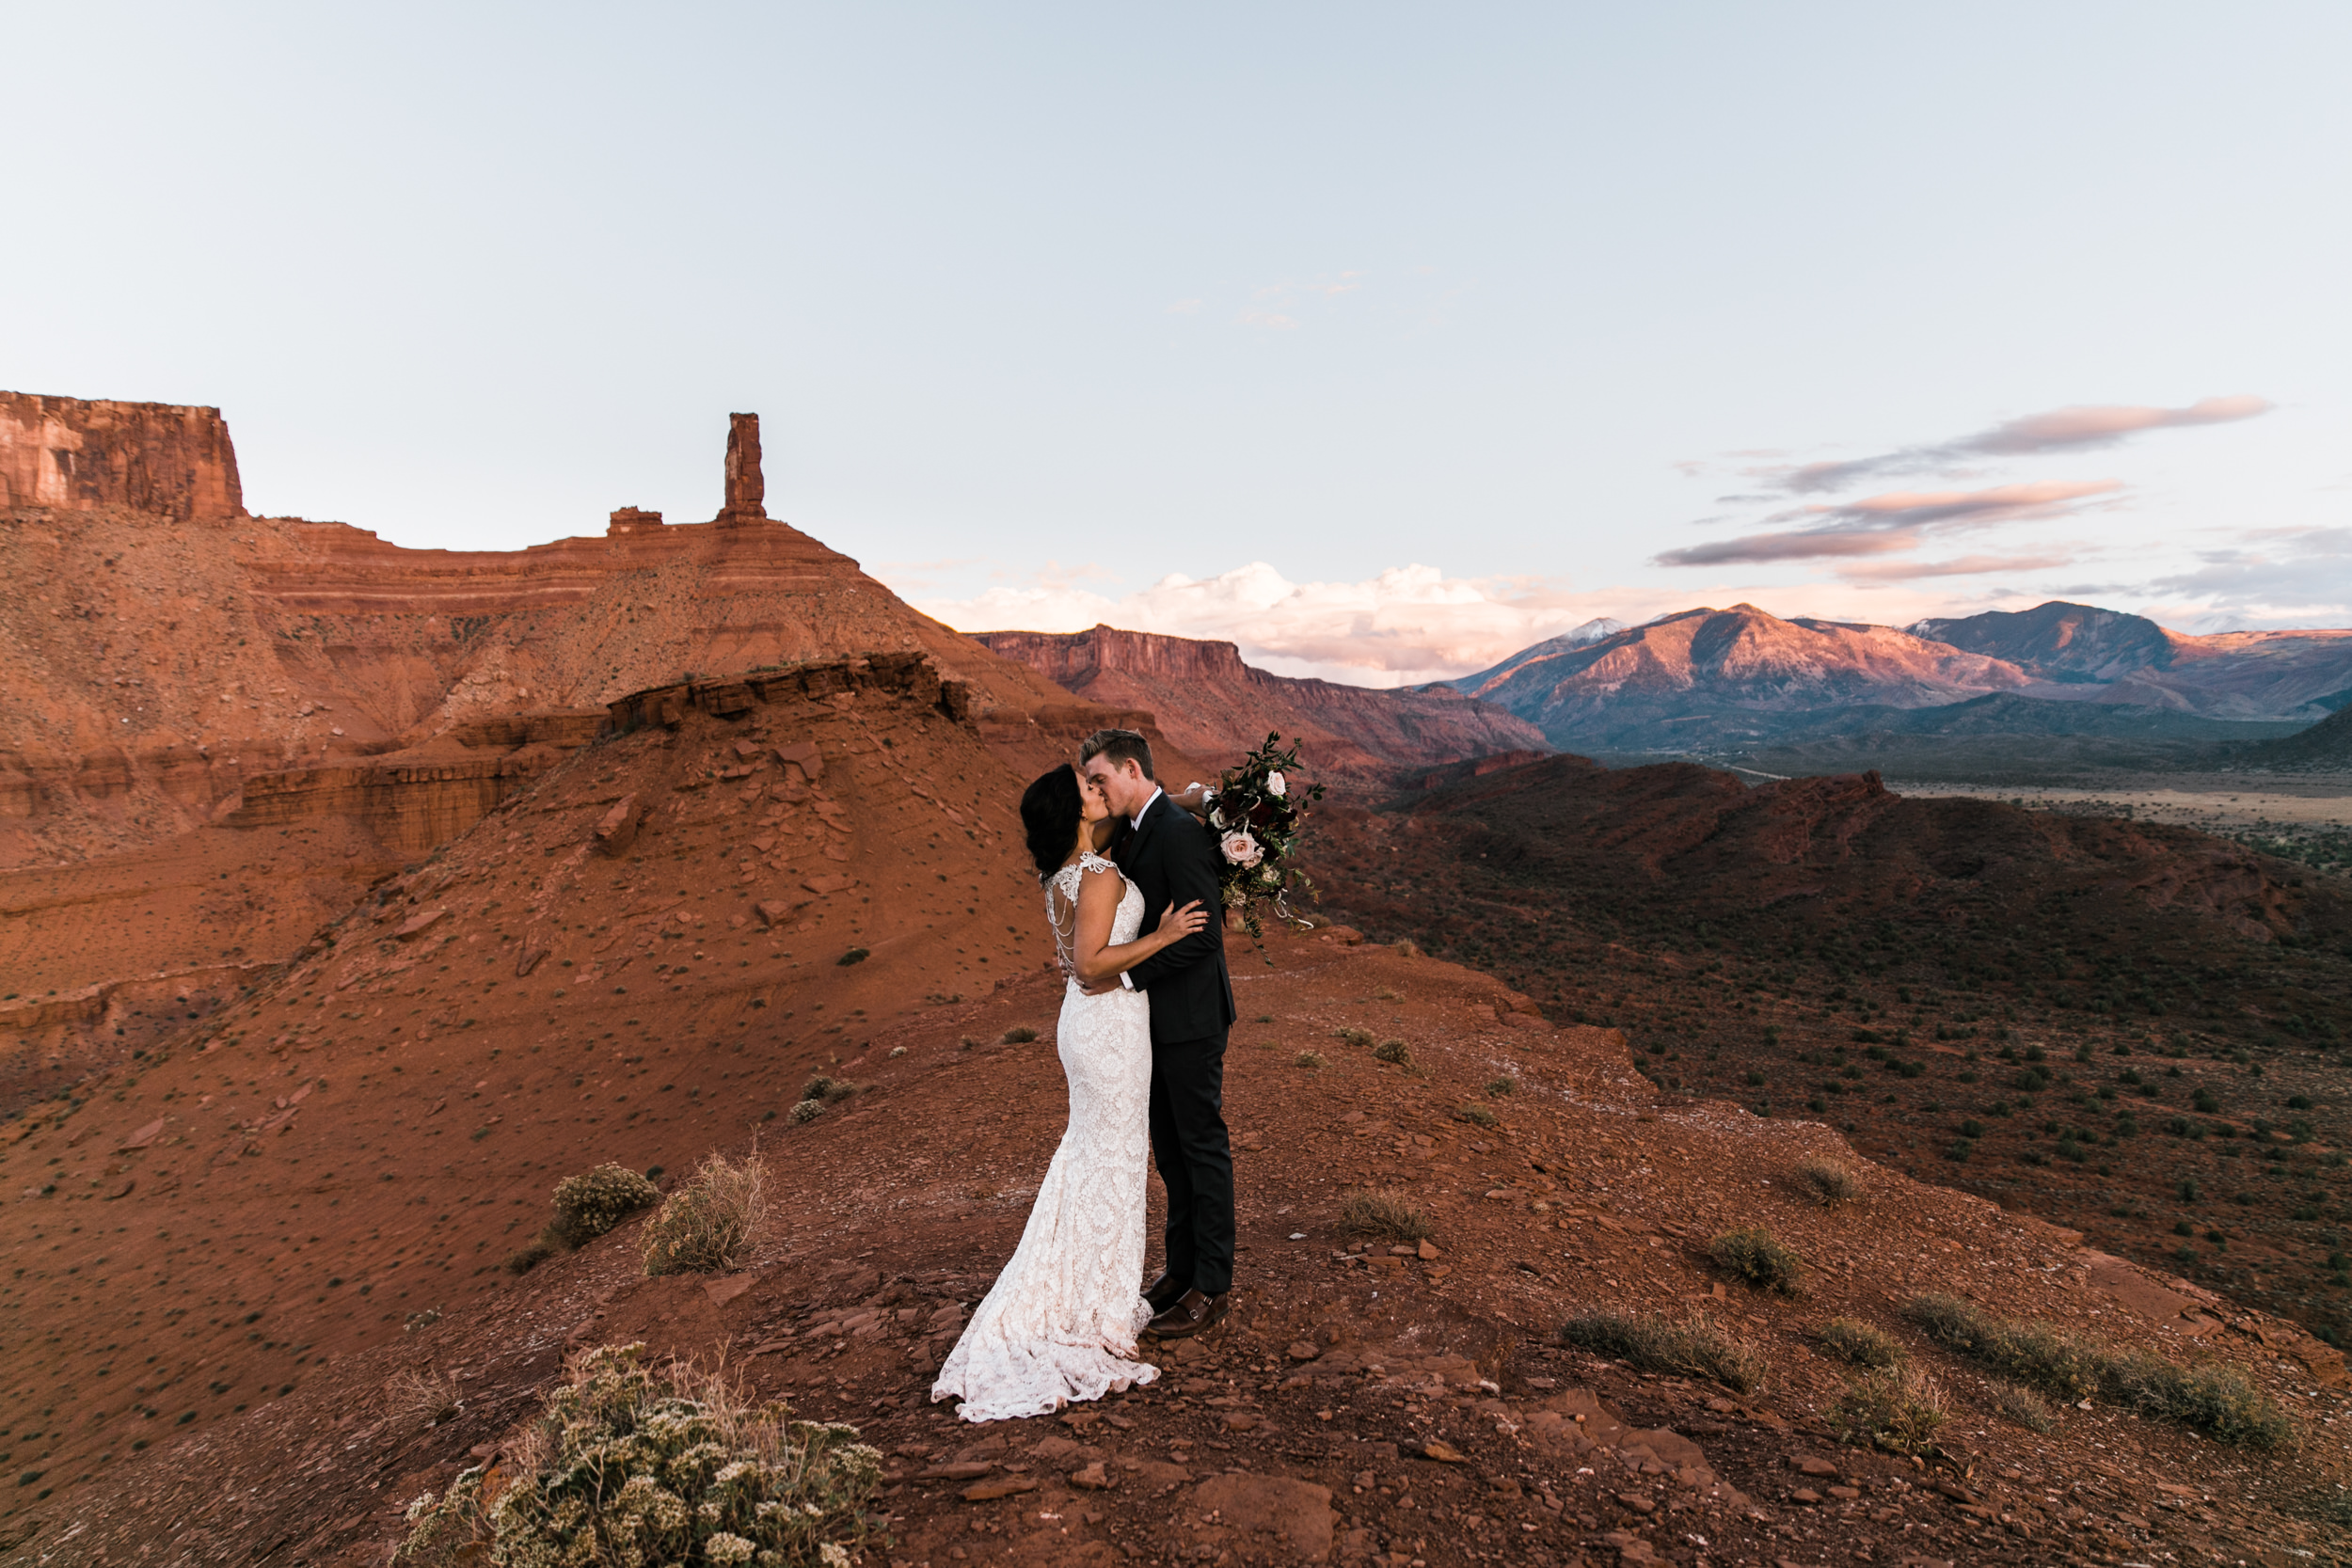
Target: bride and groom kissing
(1142, 1033)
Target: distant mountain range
(1213, 707)
(1712, 680)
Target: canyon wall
(72, 455)
(1217, 708)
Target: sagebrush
(1691, 1346)
(627, 1465)
(1830, 1183)
(709, 1225)
(2214, 1397)
(1384, 1214)
(1760, 1258)
(586, 1207)
(1900, 1409)
(1393, 1050)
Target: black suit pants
(1195, 1160)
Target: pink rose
(1241, 849)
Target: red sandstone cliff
(1216, 708)
(157, 457)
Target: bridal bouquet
(1257, 814)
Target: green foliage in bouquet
(1257, 816)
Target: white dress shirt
(1136, 823)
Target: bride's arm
(1092, 959)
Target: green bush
(709, 1224)
(1393, 1050)
(1384, 1214)
(1684, 1346)
(1761, 1260)
(629, 1465)
(2213, 1399)
(1897, 1408)
(1852, 1339)
(593, 1202)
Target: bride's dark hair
(1050, 811)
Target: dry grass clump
(416, 1398)
(631, 1465)
(1387, 1214)
(708, 1225)
(1393, 1050)
(2216, 1400)
(1307, 1058)
(1897, 1408)
(2024, 1406)
(1358, 1037)
(1852, 1339)
(1760, 1258)
(1691, 1346)
(586, 1206)
(1020, 1034)
(1830, 1183)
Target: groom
(1172, 859)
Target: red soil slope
(1210, 703)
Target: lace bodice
(1061, 907)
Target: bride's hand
(1177, 924)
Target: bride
(1060, 1324)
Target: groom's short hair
(1120, 746)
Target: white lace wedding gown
(1060, 1324)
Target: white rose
(1276, 788)
(1241, 849)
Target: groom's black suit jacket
(1172, 857)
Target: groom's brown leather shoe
(1192, 1313)
(1163, 1291)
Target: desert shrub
(1384, 1214)
(829, 1090)
(1760, 1258)
(1477, 1116)
(1393, 1050)
(1354, 1036)
(1830, 1183)
(2213, 1399)
(593, 1202)
(1852, 1339)
(708, 1225)
(2024, 1406)
(531, 1254)
(1020, 1034)
(805, 1111)
(627, 1465)
(416, 1398)
(1897, 1408)
(1307, 1058)
(1406, 948)
(1497, 1087)
(1685, 1347)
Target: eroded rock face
(747, 487)
(1217, 706)
(163, 458)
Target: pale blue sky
(1044, 304)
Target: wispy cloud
(2082, 428)
(1897, 520)
(1955, 566)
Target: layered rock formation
(72, 455)
(1214, 705)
